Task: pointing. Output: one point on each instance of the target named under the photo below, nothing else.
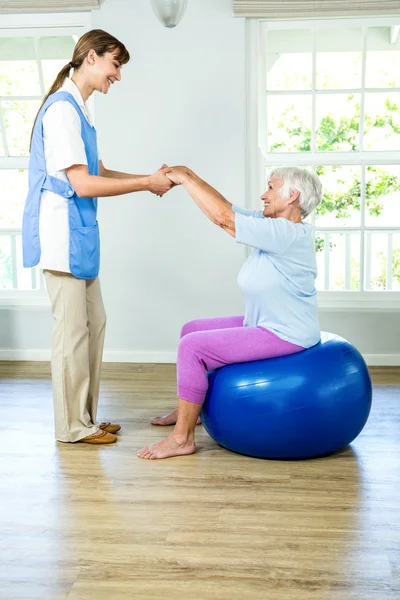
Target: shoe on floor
(110, 427)
(99, 437)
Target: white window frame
(35, 25)
(256, 164)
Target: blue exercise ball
(293, 407)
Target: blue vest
(84, 246)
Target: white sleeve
(62, 136)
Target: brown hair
(98, 40)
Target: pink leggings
(208, 344)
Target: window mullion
(367, 238)
(389, 262)
(363, 76)
(327, 257)
(314, 82)
(39, 64)
(347, 267)
(13, 240)
(3, 132)
(363, 256)
(262, 90)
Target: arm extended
(208, 199)
(114, 183)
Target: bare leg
(190, 327)
(181, 440)
(170, 419)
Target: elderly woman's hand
(178, 175)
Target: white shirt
(63, 147)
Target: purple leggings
(208, 344)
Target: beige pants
(77, 349)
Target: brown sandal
(110, 427)
(99, 437)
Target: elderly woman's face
(274, 205)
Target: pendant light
(169, 12)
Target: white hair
(301, 180)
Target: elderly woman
(278, 284)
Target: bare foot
(171, 446)
(170, 419)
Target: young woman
(60, 230)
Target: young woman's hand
(159, 183)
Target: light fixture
(169, 12)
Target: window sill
(359, 302)
(23, 300)
(327, 301)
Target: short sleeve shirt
(278, 278)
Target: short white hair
(301, 180)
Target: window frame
(36, 26)
(257, 159)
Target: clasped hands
(166, 178)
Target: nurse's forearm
(98, 186)
(93, 186)
(120, 175)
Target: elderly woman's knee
(188, 327)
(189, 344)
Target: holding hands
(159, 183)
(166, 178)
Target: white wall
(181, 101)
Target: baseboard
(382, 360)
(127, 356)
(112, 356)
(131, 356)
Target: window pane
(289, 123)
(289, 60)
(13, 190)
(19, 75)
(2, 153)
(289, 72)
(382, 195)
(340, 206)
(55, 53)
(338, 261)
(380, 246)
(383, 59)
(382, 121)
(19, 118)
(339, 70)
(338, 121)
(5, 263)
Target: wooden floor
(81, 522)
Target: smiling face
(105, 71)
(272, 200)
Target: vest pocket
(84, 252)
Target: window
(30, 58)
(328, 96)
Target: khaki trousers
(77, 350)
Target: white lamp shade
(169, 12)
